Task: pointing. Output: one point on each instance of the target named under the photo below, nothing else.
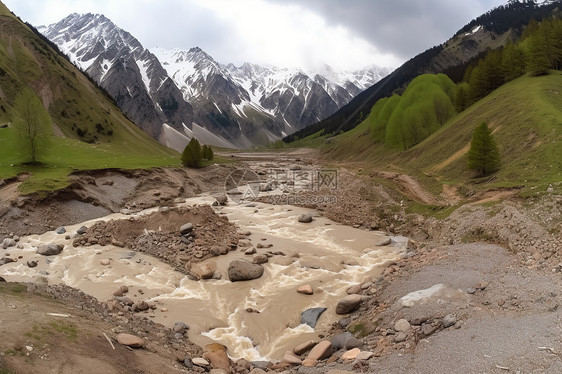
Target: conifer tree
(483, 156)
(192, 154)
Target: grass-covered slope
(90, 131)
(525, 116)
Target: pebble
(402, 325)
(449, 320)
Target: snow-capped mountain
(293, 98)
(175, 94)
(124, 68)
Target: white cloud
(341, 33)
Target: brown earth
(501, 253)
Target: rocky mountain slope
(128, 72)
(223, 105)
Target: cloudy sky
(346, 34)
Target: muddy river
(328, 256)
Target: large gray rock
(310, 316)
(348, 304)
(345, 340)
(241, 270)
(82, 230)
(8, 242)
(61, 230)
(50, 249)
(305, 218)
(205, 270)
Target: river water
(328, 256)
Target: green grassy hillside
(90, 131)
(525, 116)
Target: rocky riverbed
(475, 292)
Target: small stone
(305, 290)
(50, 249)
(198, 361)
(291, 358)
(364, 355)
(449, 320)
(261, 259)
(400, 337)
(321, 350)
(130, 340)
(186, 229)
(305, 218)
(31, 263)
(61, 230)
(471, 291)
(250, 251)
(82, 230)
(348, 304)
(402, 325)
(351, 354)
(105, 262)
(382, 242)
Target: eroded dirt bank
(479, 291)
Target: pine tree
(483, 156)
(192, 154)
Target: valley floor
(491, 272)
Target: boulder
(305, 290)
(216, 355)
(2, 280)
(241, 270)
(130, 340)
(304, 347)
(351, 354)
(50, 249)
(222, 199)
(348, 304)
(204, 270)
(402, 325)
(8, 242)
(305, 218)
(140, 306)
(310, 316)
(261, 259)
(321, 351)
(186, 229)
(291, 358)
(345, 340)
(364, 355)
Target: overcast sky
(346, 34)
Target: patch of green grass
(60, 328)
(68, 155)
(360, 329)
(439, 212)
(525, 116)
(13, 289)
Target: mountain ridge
(243, 106)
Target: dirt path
(410, 187)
